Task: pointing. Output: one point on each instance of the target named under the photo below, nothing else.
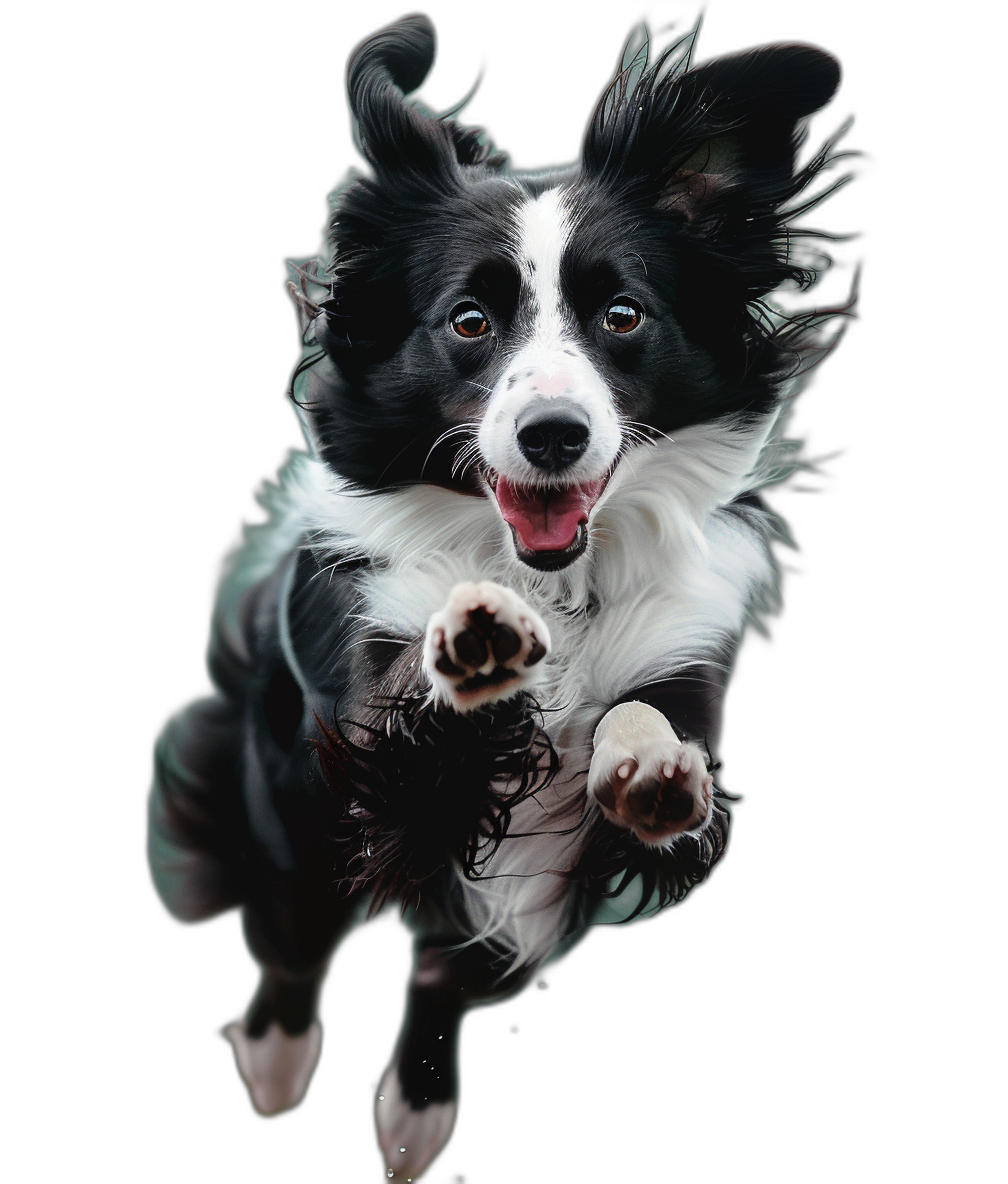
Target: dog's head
(513, 335)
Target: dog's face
(513, 336)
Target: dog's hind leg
(278, 1043)
(417, 1099)
(203, 862)
(235, 819)
(195, 815)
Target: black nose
(553, 437)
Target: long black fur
(432, 786)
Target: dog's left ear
(713, 143)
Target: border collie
(474, 660)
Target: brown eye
(469, 320)
(623, 317)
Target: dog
(473, 662)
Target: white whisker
(465, 457)
(459, 429)
(372, 637)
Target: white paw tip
(417, 1135)
(275, 1067)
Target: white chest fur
(669, 576)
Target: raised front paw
(485, 645)
(645, 778)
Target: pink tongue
(546, 519)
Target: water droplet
(381, 1097)
(440, 1038)
(390, 1173)
(542, 984)
(403, 1150)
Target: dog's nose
(553, 434)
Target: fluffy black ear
(713, 141)
(418, 158)
(394, 135)
(398, 137)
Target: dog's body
(475, 659)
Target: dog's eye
(469, 320)
(623, 317)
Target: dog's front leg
(645, 777)
(484, 646)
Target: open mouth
(549, 525)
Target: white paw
(644, 778)
(410, 1139)
(276, 1067)
(485, 645)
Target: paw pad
(484, 645)
(645, 779)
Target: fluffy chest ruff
(674, 568)
(675, 564)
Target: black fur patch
(430, 786)
(667, 874)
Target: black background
(725, 1028)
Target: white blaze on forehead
(547, 362)
(544, 229)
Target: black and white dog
(474, 660)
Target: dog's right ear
(417, 157)
(397, 137)
(382, 70)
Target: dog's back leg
(291, 929)
(204, 860)
(236, 819)
(195, 813)
(418, 1096)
